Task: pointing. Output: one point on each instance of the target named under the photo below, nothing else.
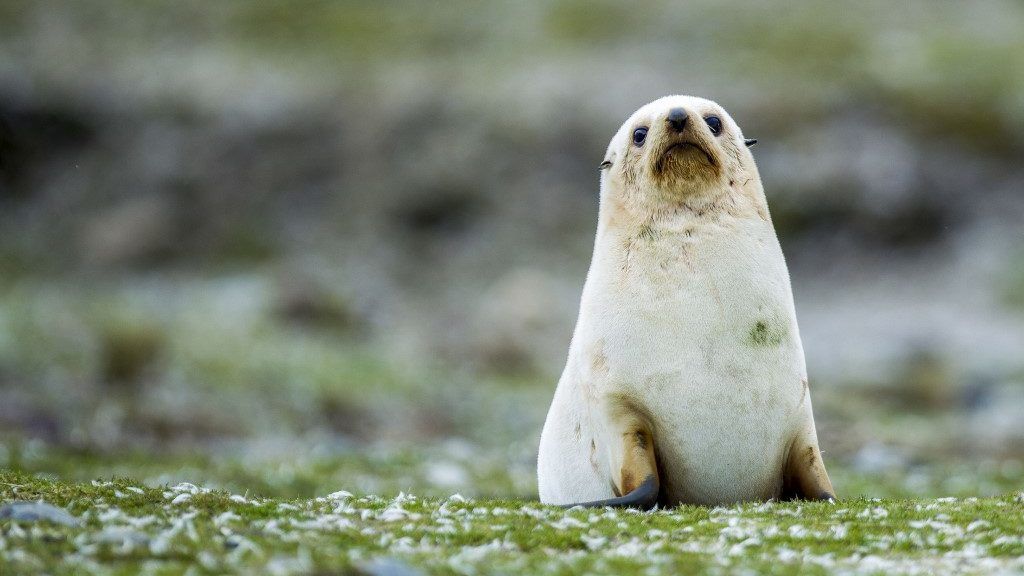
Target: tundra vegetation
(287, 290)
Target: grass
(217, 356)
(127, 527)
(224, 382)
(295, 467)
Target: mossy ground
(118, 431)
(127, 528)
(197, 357)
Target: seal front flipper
(636, 484)
(643, 497)
(804, 476)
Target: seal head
(676, 148)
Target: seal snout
(681, 143)
(676, 119)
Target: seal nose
(676, 119)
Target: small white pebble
(393, 515)
(977, 524)
(225, 517)
(186, 487)
(594, 542)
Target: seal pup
(685, 381)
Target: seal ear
(750, 142)
(605, 164)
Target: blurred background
(296, 247)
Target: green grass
(186, 388)
(210, 384)
(126, 527)
(295, 468)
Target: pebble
(37, 512)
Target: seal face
(685, 380)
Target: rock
(875, 458)
(523, 322)
(310, 302)
(122, 536)
(134, 231)
(388, 567)
(996, 427)
(447, 475)
(37, 512)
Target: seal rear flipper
(804, 476)
(644, 497)
(637, 480)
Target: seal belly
(725, 454)
(722, 419)
(715, 358)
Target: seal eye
(639, 135)
(715, 123)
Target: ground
(282, 253)
(182, 411)
(126, 527)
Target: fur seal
(685, 380)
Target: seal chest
(686, 365)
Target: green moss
(130, 348)
(580, 21)
(126, 526)
(764, 334)
(1012, 285)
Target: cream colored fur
(686, 319)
